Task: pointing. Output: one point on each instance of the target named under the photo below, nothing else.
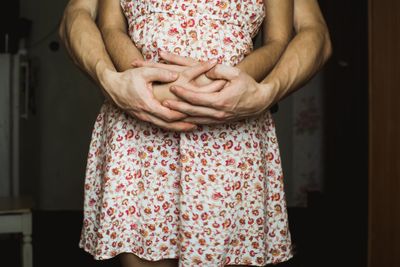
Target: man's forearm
(261, 61)
(83, 41)
(121, 48)
(113, 26)
(303, 58)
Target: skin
(277, 26)
(304, 56)
(129, 90)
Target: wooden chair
(16, 217)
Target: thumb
(224, 72)
(157, 74)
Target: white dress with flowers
(209, 197)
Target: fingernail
(166, 104)
(172, 88)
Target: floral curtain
(300, 134)
(307, 142)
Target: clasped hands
(183, 93)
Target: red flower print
(115, 171)
(216, 196)
(190, 23)
(110, 211)
(129, 134)
(173, 31)
(230, 162)
(204, 216)
(189, 195)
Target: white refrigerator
(15, 96)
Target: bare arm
(243, 96)
(83, 40)
(277, 32)
(306, 53)
(113, 26)
(127, 89)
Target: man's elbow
(322, 39)
(71, 15)
(61, 29)
(318, 33)
(327, 49)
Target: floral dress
(210, 197)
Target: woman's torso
(201, 29)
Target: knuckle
(192, 111)
(145, 71)
(149, 71)
(165, 118)
(167, 74)
(220, 104)
(221, 115)
(169, 118)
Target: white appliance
(14, 101)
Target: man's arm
(276, 33)
(305, 54)
(113, 26)
(83, 40)
(123, 51)
(128, 89)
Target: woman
(209, 197)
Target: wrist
(105, 77)
(242, 67)
(104, 74)
(271, 92)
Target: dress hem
(176, 256)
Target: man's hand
(131, 90)
(241, 97)
(181, 65)
(162, 91)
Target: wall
(67, 103)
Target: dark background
(332, 231)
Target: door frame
(384, 134)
